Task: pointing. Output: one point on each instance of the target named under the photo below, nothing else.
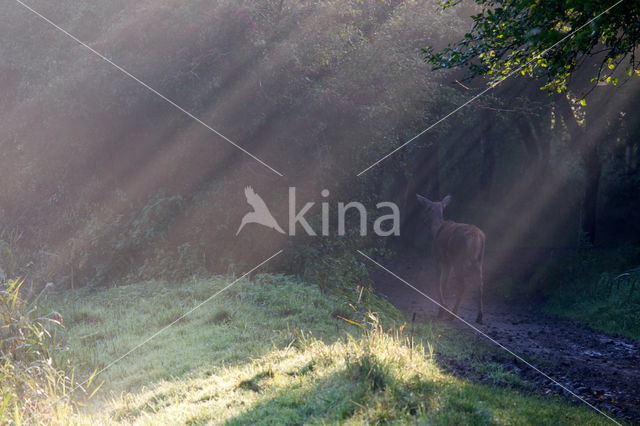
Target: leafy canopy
(509, 34)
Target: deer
(458, 249)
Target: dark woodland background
(104, 181)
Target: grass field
(276, 351)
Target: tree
(550, 41)
(537, 36)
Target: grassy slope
(272, 351)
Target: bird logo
(260, 213)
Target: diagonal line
(476, 329)
(142, 83)
(492, 84)
(154, 335)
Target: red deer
(458, 248)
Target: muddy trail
(602, 369)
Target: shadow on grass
(362, 397)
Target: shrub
(333, 263)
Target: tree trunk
(593, 172)
(487, 145)
(589, 151)
(424, 180)
(528, 139)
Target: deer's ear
(421, 200)
(446, 200)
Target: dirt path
(602, 369)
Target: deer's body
(458, 249)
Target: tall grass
(33, 388)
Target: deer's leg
(480, 285)
(463, 286)
(444, 272)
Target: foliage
(598, 287)
(118, 185)
(334, 264)
(120, 188)
(532, 38)
(33, 389)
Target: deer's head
(433, 211)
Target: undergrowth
(598, 287)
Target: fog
(104, 179)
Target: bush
(333, 263)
